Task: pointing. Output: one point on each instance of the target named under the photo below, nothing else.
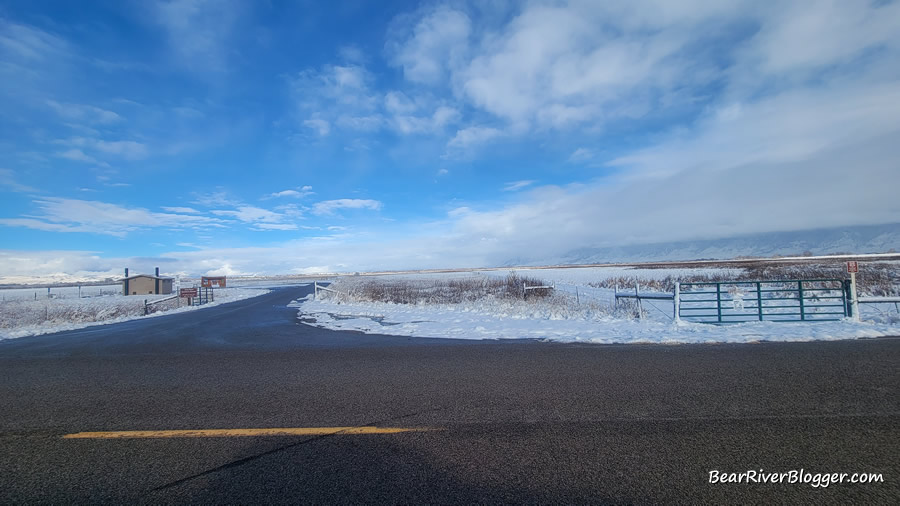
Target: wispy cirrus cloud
(275, 226)
(176, 209)
(299, 192)
(198, 31)
(81, 112)
(74, 215)
(517, 185)
(121, 150)
(250, 214)
(9, 181)
(328, 207)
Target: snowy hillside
(868, 239)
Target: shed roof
(151, 276)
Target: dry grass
(20, 313)
(438, 291)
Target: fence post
(677, 299)
(638, 297)
(719, 300)
(524, 291)
(616, 295)
(759, 300)
(145, 307)
(854, 300)
(577, 300)
(802, 306)
(315, 290)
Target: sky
(282, 137)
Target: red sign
(187, 292)
(212, 282)
(852, 266)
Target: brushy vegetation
(875, 279)
(439, 291)
(21, 313)
(497, 292)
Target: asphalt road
(519, 422)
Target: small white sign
(852, 267)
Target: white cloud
(789, 127)
(9, 181)
(842, 30)
(369, 123)
(581, 155)
(73, 215)
(321, 126)
(441, 117)
(563, 64)
(340, 97)
(215, 198)
(517, 185)
(351, 54)
(77, 155)
(471, 137)
(129, 150)
(190, 210)
(88, 113)
(299, 192)
(275, 226)
(198, 30)
(28, 44)
(334, 89)
(328, 207)
(250, 214)
(438, 40)
(398, 103)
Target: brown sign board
(187, 292)
(852, 266)
(212, 281)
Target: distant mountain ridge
(857, 240)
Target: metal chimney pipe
(157, 281)
(157, 272)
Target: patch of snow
(493, 320)
(575, 313)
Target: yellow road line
(291, 431)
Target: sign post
(853, 268)
(188, 293)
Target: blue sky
(277, 137)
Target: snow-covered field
(64, 292)
(576, 312)
(26, 316)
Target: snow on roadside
(499, 320)
(20, 318)
(576, 313)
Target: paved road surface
(520, 421)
